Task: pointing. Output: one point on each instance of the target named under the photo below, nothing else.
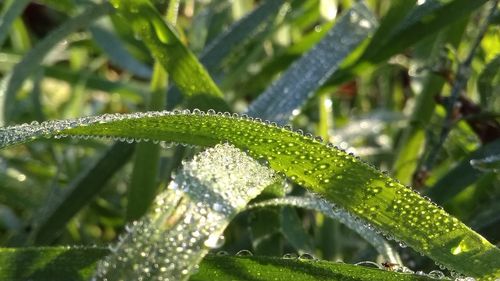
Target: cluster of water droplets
(187, 220)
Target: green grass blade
(105, 38)
(11, 83)
(75, 264)
(486, 81)
(335, 175)
(462, 175)
(311, 71)
(12, 10)
(269, 268)
(80, 192)
(181, 64)
(222, 45)
(426, 53)
(422, 21)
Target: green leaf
(333, 174)
(312, 70)
(75, 264)
(12, 82)
(180, 63)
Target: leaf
(76, 263)
(335, 175)
(12, 82)
(311, 71)
(181, 65)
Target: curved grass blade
(485, 81)
(311, 71)
(337, 176)
(462, 175)
(247, 27)
(12, 9)
(11, 83)
(338, 214)
(76, 263)
(106, 39)
(180, 63)
(188, 218)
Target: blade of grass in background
(76, 264)
(104, 36)
(386, 204)
(79, 192)
(182, 66)
(312, 70)
(428, 84)
(462, 175)
(486, 83)
(11, 10)
(12, 82)
(422, 21)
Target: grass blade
(422, 21)
(104, 36)
(181, 64)
(462, 175)
(223, 44)
(80, 192)
(311, 71)
(75, 264)
(12, 10)
(11, 83)
(337, 176)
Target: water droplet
(306, 256)
(244, 253)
